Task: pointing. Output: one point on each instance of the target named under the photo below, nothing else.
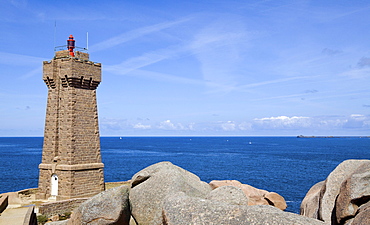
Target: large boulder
(255, 196)
(341, 194)
(109, 207)
(276, 200)
(311, 202)
(332, 186)
(150, 186)
(181, 209)
(354, 192)
(229, 195)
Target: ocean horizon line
(122, 136)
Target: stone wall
(30, 217)
(59, 207)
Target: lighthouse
(71, 165)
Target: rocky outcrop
(165, 194)
(181, 209)
(255, 196)
(150, 186)
(108, 207)
(340, 198)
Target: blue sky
(196, 67)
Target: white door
(54, 185)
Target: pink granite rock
(332, 186)
(180, 209)
(363, 215)
(340, 197)
(311, 202)
(276, 200)
(255, 196)
(354, 192)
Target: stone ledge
(3, 202)
(87, 166)
(30, 217)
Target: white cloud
(354, 121)
(291, 125)
(113, 124)
(245, 126)
(228, 126)
(142, 126)
(357, 116)
(168, 125)
(357, 121)
(192, 126)
(283, 122)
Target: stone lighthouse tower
(71, 162)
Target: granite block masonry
(71, 164)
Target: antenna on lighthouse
(55, 32)
(87, 41)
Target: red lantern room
(71, 45)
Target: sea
(289, 166)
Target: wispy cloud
(357, 73)
(133, 34)
(159, 76)
(276, 81)
(19, 60)
(219, 48)
(145, 59)
(364, 61)
(19, 3)
(37, 71)
(347, 12)
(328, 51)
